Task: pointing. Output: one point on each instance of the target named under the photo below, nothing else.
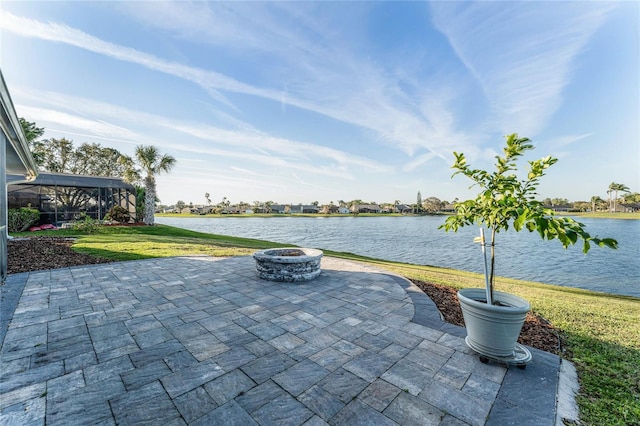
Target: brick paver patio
(203, 341)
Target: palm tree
(152, 163)
(615, 187)
(595, 200)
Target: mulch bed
(536, 331)
(47, 252)
(44, 252)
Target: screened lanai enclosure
(62, 198)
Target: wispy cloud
(418, 161)
(521, 55)
(563, 141)
(243, 144)
(327, 72)
(326, 78)
(90, 127)
(64, 34)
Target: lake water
(417, 239)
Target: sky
(296, 102)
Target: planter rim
(477, 298)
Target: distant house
(301, 208)
(230, 210)
(560, 208)
(329, 209)
(403, 208)
(278, 208)
(343, 210)
(629, 207)
(189, 210)
(366, 208)
(448, 208)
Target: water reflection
(418, 240)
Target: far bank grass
(280, 215)
(597, 215)
(603, 215)
(602, 331)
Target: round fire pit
(288, 264)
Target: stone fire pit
(288, 264)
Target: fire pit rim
(271, 254)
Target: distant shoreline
(599, 215)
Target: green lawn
(602, 331)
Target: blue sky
(327, 101)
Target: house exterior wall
(15, 157)
(3, 208)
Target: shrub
(118, 214)
(22, 218)
(85, 223)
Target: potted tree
(494, 319)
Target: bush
(117, 214)
(21, 219)
(85, 224)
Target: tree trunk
(493, 262)
(149, 200)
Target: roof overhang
(19, 159)
(71, 180)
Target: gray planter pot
(492, 330)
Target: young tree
(506, 201)
(152, 163)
